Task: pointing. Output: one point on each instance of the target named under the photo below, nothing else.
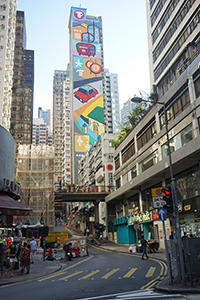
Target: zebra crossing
(80, 274)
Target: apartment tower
(58, 101)
(23, 83)
(112, 110)
(7, 34)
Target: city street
(101, 275)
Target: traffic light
(169, 200)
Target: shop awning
(11, 207)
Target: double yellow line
(163, 271)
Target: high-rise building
(46, 116)
(7, 34)
(23, 83)
(66, 133)
(86, 80)
(174, 43)
(58, 101)
(126, 110)
(112, 110)
(40, 132)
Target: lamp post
(174, 194)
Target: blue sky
(124, 36)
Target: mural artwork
(87, 81)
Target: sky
(124, 38)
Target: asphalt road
(96, 276)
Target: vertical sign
(88, 104)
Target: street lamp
(173, 184)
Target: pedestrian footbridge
(76, 194)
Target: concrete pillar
(140, 201)
(193, 101)
(157, 122)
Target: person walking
(26, 257)
(144, 245)
(12, 258)
(33, 245)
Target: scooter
(68, 253)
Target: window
(178, 141)
(175, 106)
(149, 161)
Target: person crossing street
(144, 245)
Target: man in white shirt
(33, 246)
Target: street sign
(158, 202)
(161, 214)
(158, 192)
(136, 227)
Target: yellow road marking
(110, 273)
(127, 275)
(150, 272)
(63, 271)
(71, 275)
(89, 275)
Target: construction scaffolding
(35, 173)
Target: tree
(121, 135)
(137, 114)
(99, 229)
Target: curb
(172, 289)
(31, 278)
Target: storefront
(189, 216)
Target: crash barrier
(54, 236)
(79, 247)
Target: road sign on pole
(161, 214)
(158, 202)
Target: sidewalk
(38, 268)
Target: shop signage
(187, 207)
(91, 219)
(180, 207)
(155, 216)
(144, 217)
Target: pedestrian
(12, 258)
(144, 245)
(85, 232)
(26, 257)
(88, 231)
(33, 245)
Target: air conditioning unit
(15, 187)
(6, 183)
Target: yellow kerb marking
(89, 275)
(74, 274)
(110, 273)
(130, 273)
(150, 272)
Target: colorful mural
(88, 105)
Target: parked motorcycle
(68, 253)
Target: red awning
(10, 206)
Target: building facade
(40, 132)
(141, 159)
(58, 113)
(96, 171)
(66, 133)
(35, 172)
(46, 116)
(7, 32)
(23, 84)
(126, 110)
(112, 109)
(86, 79)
